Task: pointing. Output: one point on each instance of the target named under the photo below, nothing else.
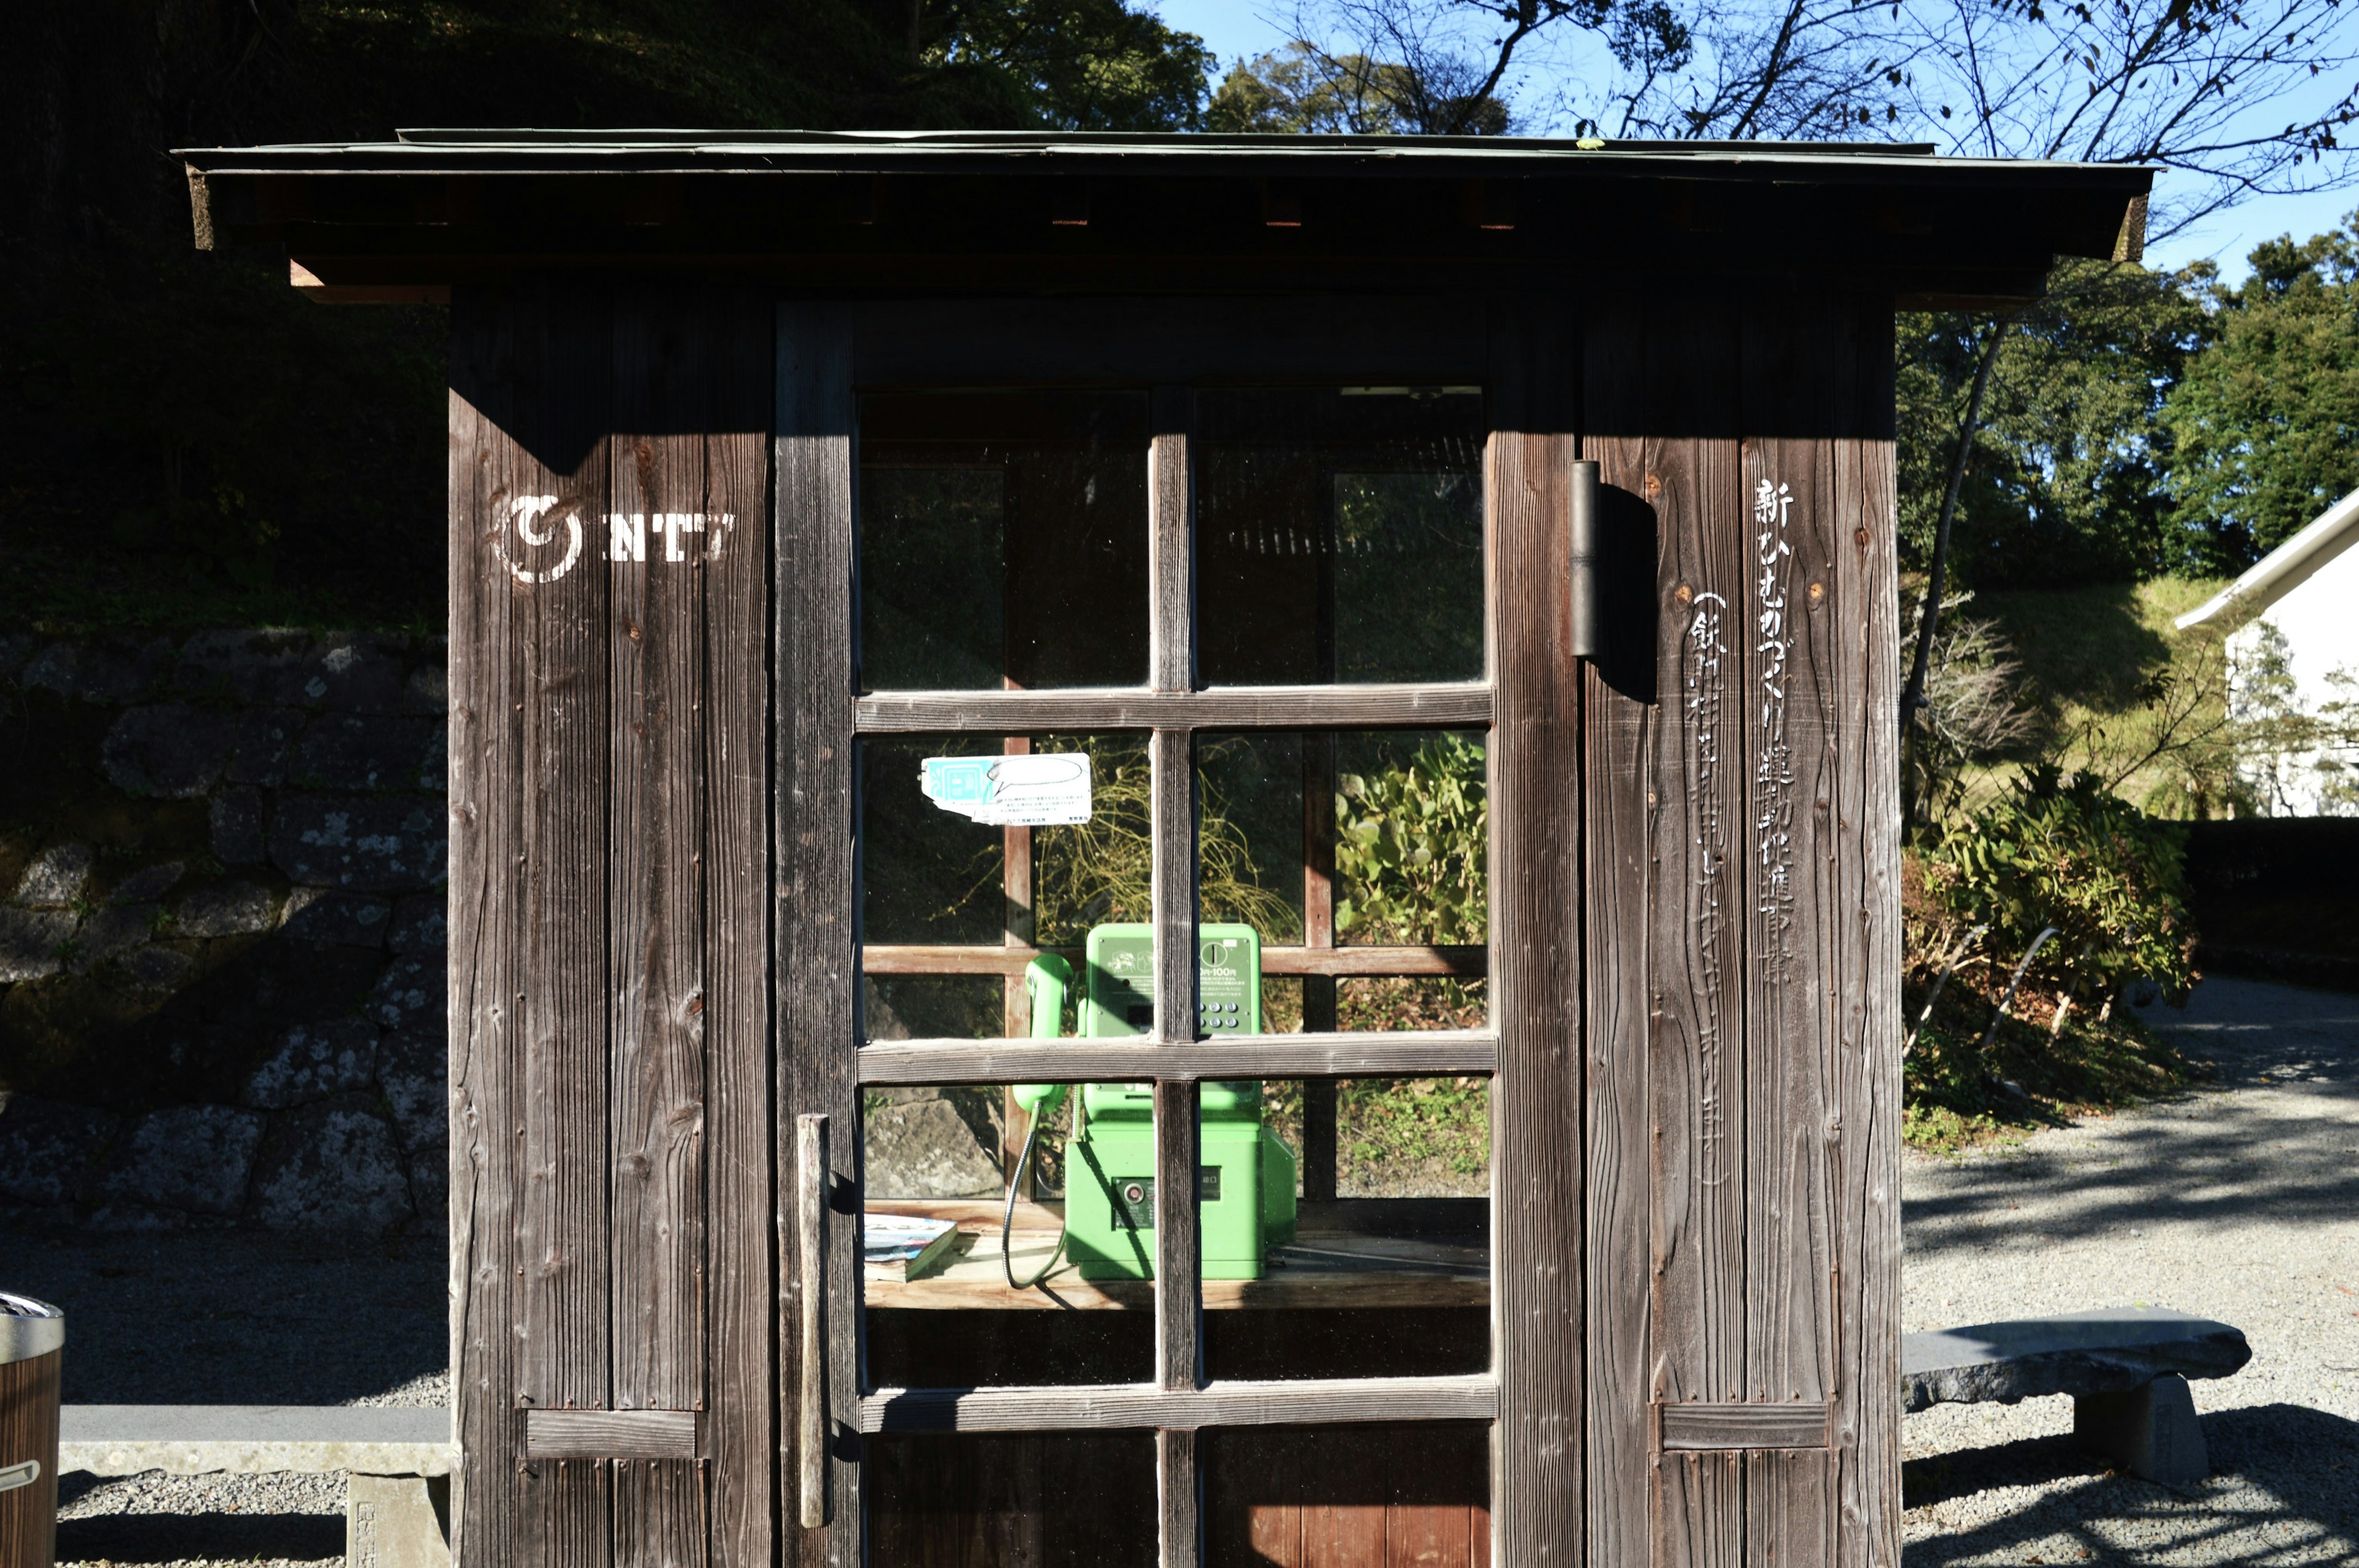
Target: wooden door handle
(812, 1427)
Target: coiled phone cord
(1008, 1218)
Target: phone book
(903, 1246)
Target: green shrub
(1410, 847)
(2071, 855)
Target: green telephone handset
(1245, 1174)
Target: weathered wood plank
(1460, 961)
(739, 1430)
(610, 1435)
(660, 1500)
(1706, 1424)
(1797, 376)
(1372, 706)
(1308, 1402)
(486, 831)
(1697, 1064)
(570, 1517)
(813, 828)
(1623, 734)
(656, 850)
(1867, 1077)
(655, 955)
(1789, 1508)
(564, 370)
(1178, 1499)
(1536, 989)
(1700, 1510)
(1108, 1061)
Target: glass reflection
(1340, 534)
(1002, 539)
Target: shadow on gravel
(237, 1317)
(174, 1537)
(2284, 1488)
(2209, 1156)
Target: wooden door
(611, 1192)
(1194, 1440)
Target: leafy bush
(2071, 855)
(1409, 848)
(2049, 852)
(1102, 870)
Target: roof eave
(2288, 567)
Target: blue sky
(1243, 27)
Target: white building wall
(2311, 635)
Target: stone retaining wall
(222, 859)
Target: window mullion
(1172, 660)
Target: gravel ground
(2240, 1202)
(230, 1317)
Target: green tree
(1301, 88)
(2067, 481)
(1066, 65)
(2267, 419)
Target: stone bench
(2126, 1368)
(399, 1460)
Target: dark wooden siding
(611, 1024)
(1741, 806)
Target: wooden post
(1318, 1160)
(1171, 760)
(816, 966)
(1536, 971)
(1015, 1006)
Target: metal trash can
(32, 1349)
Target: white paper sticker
(1043, 789)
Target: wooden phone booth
(1171, 850)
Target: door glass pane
(1379, 1268)
(1054, 1500)
(1360, 862)
(963, 1289)
(1339, 534)
(1002, 539)
(980, 883)
(1375, 1494)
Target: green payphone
(1245, 1175)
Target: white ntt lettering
(630, 537)
(627, 534)
(671, 526)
